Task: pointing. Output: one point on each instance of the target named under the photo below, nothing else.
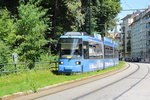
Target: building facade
(126, 35)
(140, 36)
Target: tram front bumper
(77, 68)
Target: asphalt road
(131, 84)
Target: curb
(102, 75)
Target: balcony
(123, 45)
(129, 37)
(123, 29)
(129, 31)
(128, 44)
(128, 49)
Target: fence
(17, 67)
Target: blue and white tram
(83, 53)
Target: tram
(82, 53)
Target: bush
(48, 57)
(4, 52)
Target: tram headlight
(61, 62)
(78, 62)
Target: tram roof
(84, 38)
(92, 39)
(113, 44)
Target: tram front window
(70, 48)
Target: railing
(17, 67)
(129, 37)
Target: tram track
(113, 83)
(133, 84)
(110, 84)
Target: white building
(126, 35)
(140, 35)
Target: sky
(132, 4)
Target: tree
(74, 15)
(7, 35)
(108, 10)
(65, 16)
(103, 13)
(32, 25)
(7, 27)
(63, 11)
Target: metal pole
(103, 47)
(114, 53)
(55, 66)
(105, 29)
(26, 66)
(5, 69)
(90, 17)
(15, 65)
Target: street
(131, 84)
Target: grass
(33, 80)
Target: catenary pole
(90, 27)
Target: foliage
(74, 14)
(7, 27)
(31, 28)
(48, 57)
(103, 12)
(107, 11)
(7, 35)
(4, 52)
(39, 23)
(65, 16)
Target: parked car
(127, 59)
(136, 59)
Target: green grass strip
(33, 80)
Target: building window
(148, 33)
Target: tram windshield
(70, 48)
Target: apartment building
(140, 35)
(126, 35)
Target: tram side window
(116, 53)
(95, 51)
(108, 52)
(100, 51)
(111, 55)
(86, 49)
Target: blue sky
(132, 4)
